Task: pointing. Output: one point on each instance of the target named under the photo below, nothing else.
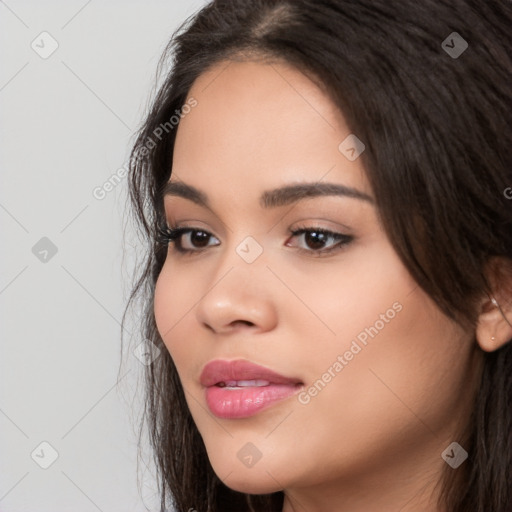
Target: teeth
(244, 383)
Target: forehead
(257, 125)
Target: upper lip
(221, 371)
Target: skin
(372, 438)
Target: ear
(494, 326)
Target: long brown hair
(437, 130)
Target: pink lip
(246, 401)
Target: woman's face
(383, 374)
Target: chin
(248, 480)
(253, 485)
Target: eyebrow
(281, 196)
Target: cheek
(401, 358)
(400, 377)
(335, 303)
(163, 304)
(173, 297)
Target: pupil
(316, 238)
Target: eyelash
(167, 235)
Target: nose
(240, 298)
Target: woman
(323, 186)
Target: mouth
(240, 389)
(236, 384)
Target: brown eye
(192, 240)
(315, 239)
(318, 241)
(199, 238)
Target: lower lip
(247, 401)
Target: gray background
(67, 121)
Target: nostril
(243, 322)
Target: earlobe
(494, 329)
